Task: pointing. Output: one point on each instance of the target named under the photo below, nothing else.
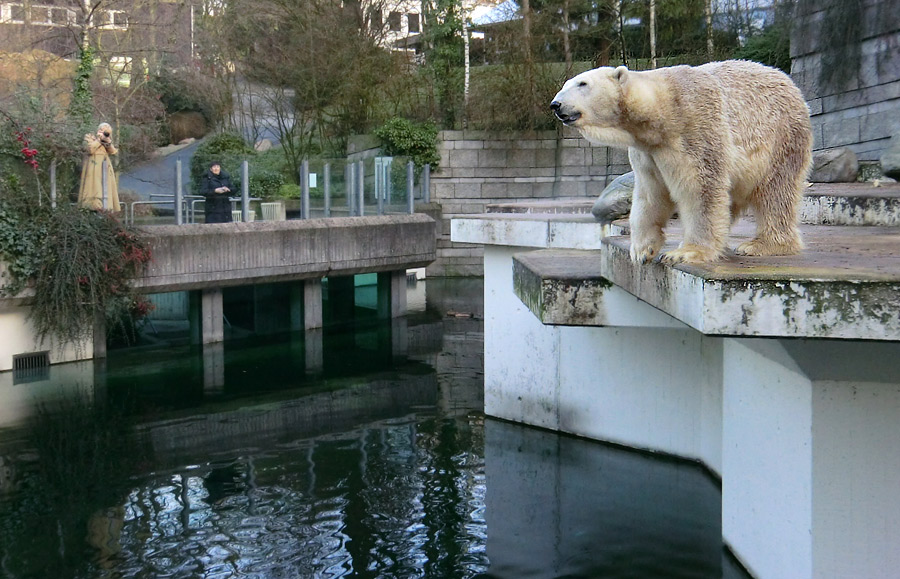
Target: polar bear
(707, 142)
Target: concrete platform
(823, 204)
(846, 284)
(780, 375)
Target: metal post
(361, 188)
(179, 194)
(53, 184)
(304, 189)
(326, 176)
(426, 183)
(410, 191)
(350, 187)
(379, 195)
(104, 186)
(245, 192)
(388, 186)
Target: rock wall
(862, 110)
(479, 168)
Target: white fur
(706, 141)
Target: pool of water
(375, 461)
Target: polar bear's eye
(582, 83)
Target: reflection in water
(241, 462)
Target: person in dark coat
(217, 187)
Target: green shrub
(401, 137)
(264, 183)
(770, 47)
(80, 263)
(289, 191)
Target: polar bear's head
(598, 103)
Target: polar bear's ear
(620, 74)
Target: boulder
(837, 165)
(890, 158)
(614, 201)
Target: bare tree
(314, 67)
(652, 33)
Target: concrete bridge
(780, 375)
(211, 257)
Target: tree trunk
(652, 33)
(529, 62)
(567, 47)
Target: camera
(106, 134)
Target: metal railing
(374, 192)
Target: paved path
(158, 174)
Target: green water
(374, 461)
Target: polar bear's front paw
(644, 253)
(690, 254)
(760, 247)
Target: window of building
(412, 21)
(13, 13)
(62, 17)
(394, 22)
(40, 15)
(113, 19)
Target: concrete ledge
(196, 256)
(851, 204)
(540, 230)
(845, 285)
(564, 287)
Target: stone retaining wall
(865, 113)
(479, 168)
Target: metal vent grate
(32, 367)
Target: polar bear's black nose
(554, 106)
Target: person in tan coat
(98, 148)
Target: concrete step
(844, 285)
(823, 204)
(851, 204)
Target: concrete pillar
(213, 368)
(810, 457)
(99, 335)
(211, 315)
(392, 294)
(312, 303)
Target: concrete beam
(539, 230)
(228, 254)
(845, 284)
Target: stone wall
(479, 168)
(863, 112)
